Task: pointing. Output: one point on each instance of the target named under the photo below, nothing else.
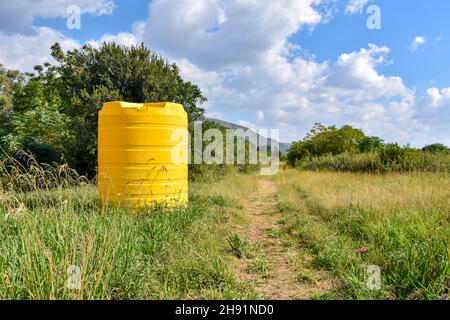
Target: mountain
(284, 147)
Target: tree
(436, 148)
(323, 140)
(34, 121)
(347, 139)
(298, 151)
(370, 144)
(10, 82)
(88, 77)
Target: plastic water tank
(142, 154)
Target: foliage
(212, 171)
(370, 144)
(436, 148)
(9, 81)
(56, 109)
(239, 246)
(89, 77)
(348, 149)
(23, 173)
(35, 121)
(322, 140)
(377, 162)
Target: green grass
(259, 265)
(351, 221)
(240, 247)
(50, 221)
(122, 254)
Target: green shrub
(391, 158)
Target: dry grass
(399, 222)
(416, 191)
(49, 223)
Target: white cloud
(355, 6)
(219, 33)
(214, 115)
(437, 98)
(434, 111)
(23, 52)
(240, 55)
(122, 38)
(355, 74)
(260, 115)
(417, 42)
(17, 16)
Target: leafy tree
(370, 144)
(436, 148)
(347, 139)
(10, 81)
(88, 77)
(323, 140)
(31, 117)
(299, 150)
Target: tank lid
(169, 106)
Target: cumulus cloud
(23, 52)
(355, 6)
(437, 98)
(122, 38)
(22, 45)
(17, 16)
(355, 73)
(434, 111)
(219, 33)
(240, 55)
(417, 42)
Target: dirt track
(282, 283)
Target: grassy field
(159, 254)
(349, 221)
(341, 223)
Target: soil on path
(282, 282)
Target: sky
(379, 65)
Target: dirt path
(282, 281)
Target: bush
(436, 148)
(364, 162)
(389, 159)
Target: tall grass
(351, 221)
(50, 222)
(24, 181)
(413, 161)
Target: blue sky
(283, 64)
(402, 20)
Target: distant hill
(284, 147)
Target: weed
(305, 276)
(261, 266)
(240, 247)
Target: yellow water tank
(143, 154)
